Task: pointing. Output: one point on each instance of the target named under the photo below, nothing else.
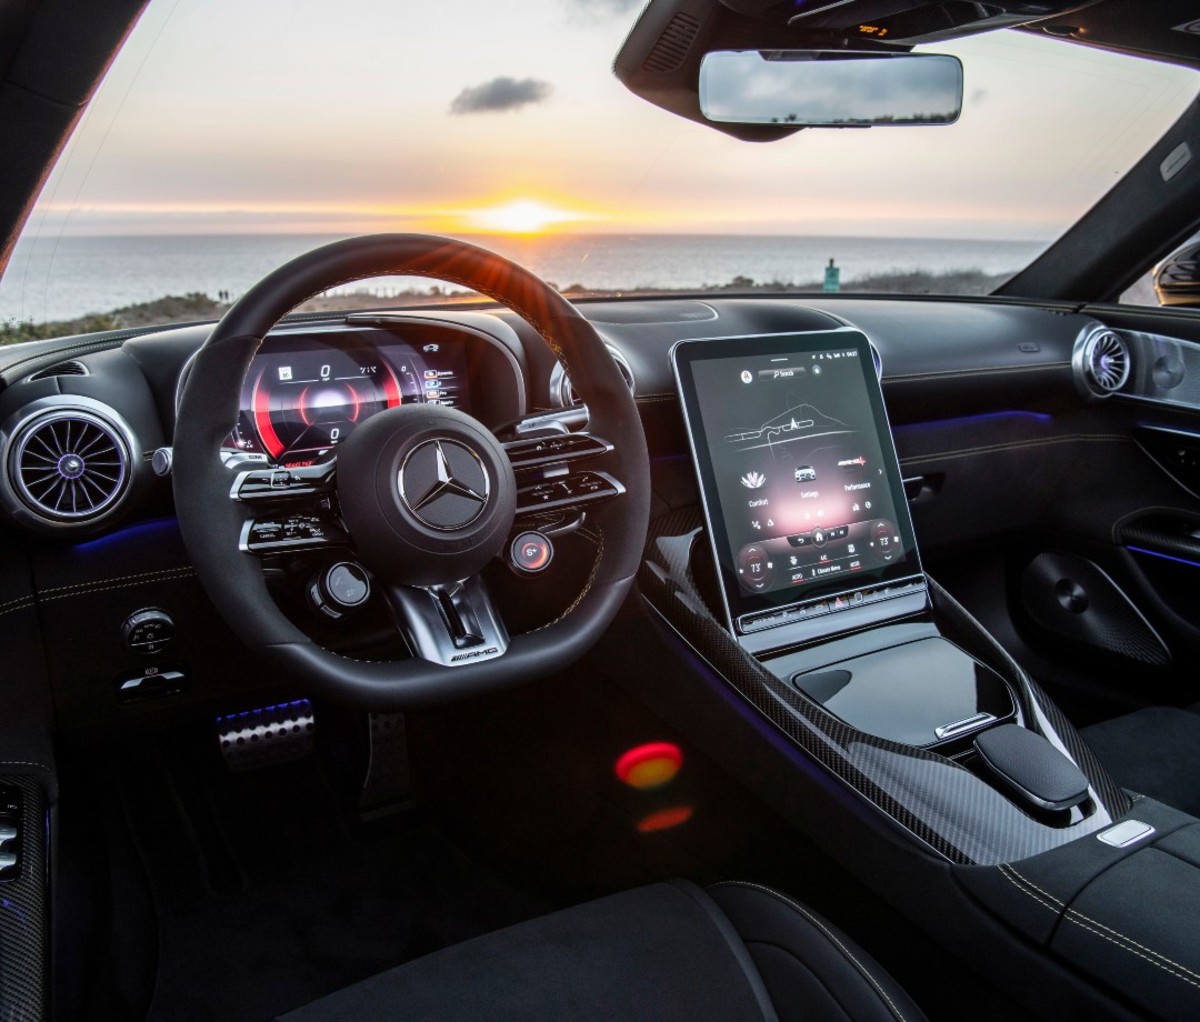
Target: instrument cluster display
(302, 396)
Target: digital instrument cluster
(302, 396)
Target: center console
(831, 665)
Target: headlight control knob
(340, 589)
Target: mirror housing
(1177, 278)
(830, 89)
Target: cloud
(501, 94)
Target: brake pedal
(268, 736)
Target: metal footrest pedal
(267, 736)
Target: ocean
(55, 278)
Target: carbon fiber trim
(939, 802)
(24, 937)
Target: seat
(665, 953)
(1154, 752)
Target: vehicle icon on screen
(806, 474)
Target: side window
(1174, 282)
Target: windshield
(229, 136)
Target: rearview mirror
(830, 89)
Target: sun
(521, 216)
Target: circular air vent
(1106, 361)
(69, 465)
(562, 394)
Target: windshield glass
(230, 136)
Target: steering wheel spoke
(451, 625)
(263, 485)
(545, 456)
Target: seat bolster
(811, 969)
(654, 954)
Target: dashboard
(997, 424)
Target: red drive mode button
(532, 552)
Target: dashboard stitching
(1014, 445)
(116, 582)
(825, 930)
(76, 349)
(901, 377)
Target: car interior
(716, 655)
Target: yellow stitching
(1035, 887)
(1123, 947)
(1130, 940)
(164, 577)
(119, 578)
(1029, 894)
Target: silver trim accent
(20, 429)
(1126, 833)
(424, 624)
(962, 727)
(1100, 341)
(562, 392)
(446, 485)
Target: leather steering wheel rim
(211, 522)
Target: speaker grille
(673, 45)
(71, 367)
(69, 466)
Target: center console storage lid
(1123, 914)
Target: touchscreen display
(797, 467)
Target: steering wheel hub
(444, 484)
(427, 493)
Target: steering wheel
(426, 493)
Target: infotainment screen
(798, 473)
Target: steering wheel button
(531, 552)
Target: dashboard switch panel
(10, 833)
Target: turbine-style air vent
(1106, 361)
(562, 393)
(71, 367)
(69, 465)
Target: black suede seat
(667, 952)
(1154, 752)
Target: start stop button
(531, 552)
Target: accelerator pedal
(268, 736)
(386, 789)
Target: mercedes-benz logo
(444, 484)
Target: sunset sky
(301, 116)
